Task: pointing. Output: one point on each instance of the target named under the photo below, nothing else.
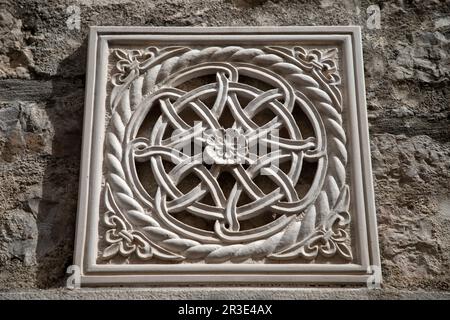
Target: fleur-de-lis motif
(324, 61)
(124, 242)
(327, 242)
(122, 239)
(130, 62)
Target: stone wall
(42, 73)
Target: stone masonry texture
(42, 82)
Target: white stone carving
(189, 90)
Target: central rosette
(225, 147)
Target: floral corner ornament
(324, 61)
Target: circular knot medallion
(225, 125)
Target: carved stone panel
(231, 155)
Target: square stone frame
(364, 220)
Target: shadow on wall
(56, 209)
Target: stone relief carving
(145, 225)
(225, 155)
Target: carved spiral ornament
(241, 84)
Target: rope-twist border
(323, 221)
